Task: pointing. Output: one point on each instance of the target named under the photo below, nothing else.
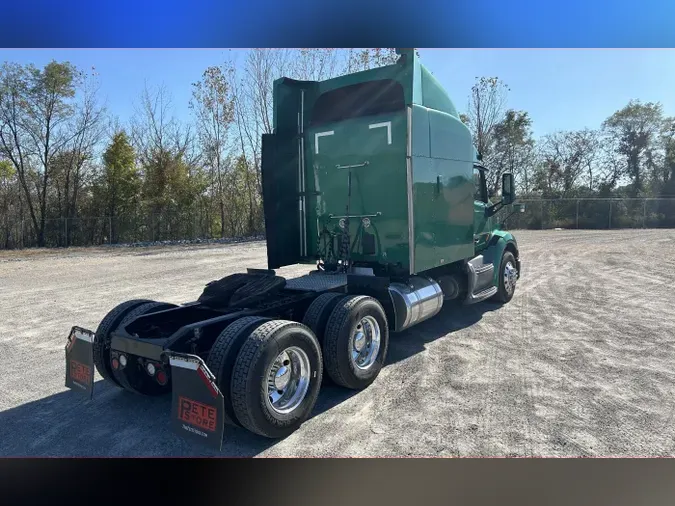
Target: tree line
(630, 156)
(72, 174)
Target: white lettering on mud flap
(193, 430)
(185, 364)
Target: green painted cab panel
(375, 146)
(421, 141)
(442, 166)
(414, 152)
(434, 96)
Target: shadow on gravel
(451, 319)
(114, 424)
(118, 423)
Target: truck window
(479, 186)
(357, 100)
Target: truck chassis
(253, 349)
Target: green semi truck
(371, 178)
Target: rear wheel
(223, 356)
(102, 337)
(356, 341)
(276, 379)
(132, 376)
(319, 311)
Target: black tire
(133, 377)
(503, 294)
(102, 337)
(337, 341)
(249, 378)
(319, 311)
(257, 289)
(223, 356)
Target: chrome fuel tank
(418, 300)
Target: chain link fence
(595, 213)
(106, 230)
(570, 213)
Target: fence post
(610, 214)
(65, 228)
(577, 214)
(21, 233)
(110, 230)
(644, 212)
(542, 213)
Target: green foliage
(120, 182)
(7, 170)
(511, 145)
(633, 131)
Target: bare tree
(87, 127)
(317, 64)
(487, 102)
(252, 91)
(167, 157)
(512, 146)
(213, 107)
(570, 158)
(368, 58)
(34, 116)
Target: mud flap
(197, 406)
(80, 361)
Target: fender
(500, 241)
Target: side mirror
(508, 189)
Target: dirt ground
(580, 362)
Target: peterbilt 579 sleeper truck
(373, 179)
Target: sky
(561, 89)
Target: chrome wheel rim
(288, 380)
(510, 277)
(365, 343)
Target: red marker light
(161, 378)
(115, 364)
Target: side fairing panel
(442, 189)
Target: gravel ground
(580, 362)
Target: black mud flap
(197, 406)
(80, 361)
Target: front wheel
(508, 274)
